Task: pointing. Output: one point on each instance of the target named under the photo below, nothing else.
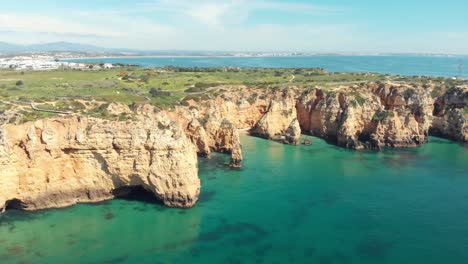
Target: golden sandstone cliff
(450, 115)
(369, 116)
(59, 162)
(62, 161)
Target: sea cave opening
(136, 193)
(14, 204)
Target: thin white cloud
(210, 14)
(299, 8)
(219, 13)
(47, 24)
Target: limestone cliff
(280, 120)
(206, 129)
(368, 116)
(59, 162)
(212, 124)
(451, 115)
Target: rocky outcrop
(225, 138)
(278, 123)
(293, 133)
(368, 116)
(451, 115)
(59, 162)
(236, 152)
(197, 134)
(280, 120)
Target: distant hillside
(9, 48)
(50, 47)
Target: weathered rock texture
(60, 162)
(212, 125)
(451, 115)
(280, 121)
(368, 116)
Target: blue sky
(243, 25)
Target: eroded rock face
(280, 120)
(451, 115)
(197, 134)
(369, 116)
(59, 162)
(212, 124)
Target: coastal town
(44, 63)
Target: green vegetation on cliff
(76, 90)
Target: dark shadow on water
(441, 140)
(14, 215)
(262, 251)
(140, 208)
(115, 260)
(109, 216)
(206, 196)
(374, 247)
(12, 251)
(217, 162)
(132, 193)
(237, 234)
(325, 260)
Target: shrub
(194, 90)
(379, 116)
(144, 78)
(158, 92)
(252, 98)
(358, 98)
(407, 94)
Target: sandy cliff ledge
(60, 162)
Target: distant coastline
(437, 66)
(266, 56)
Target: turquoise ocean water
(289, 204)
(403, 65)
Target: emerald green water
(304, 204)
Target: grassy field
(133, 84)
